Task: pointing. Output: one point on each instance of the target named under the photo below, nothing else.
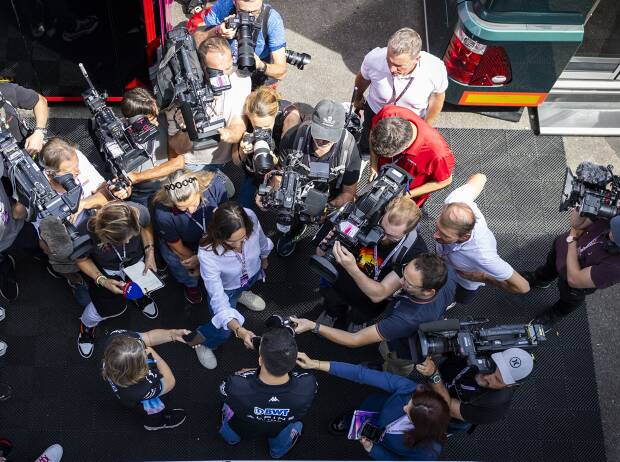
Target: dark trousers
(570, 298)
(335, 305)
(364, 145)
(26, 240)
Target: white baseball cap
(514, 364)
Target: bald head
(455, 224)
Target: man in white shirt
(465, 242)
(215, 55)
(400, 74)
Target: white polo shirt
(429, 76)
(479, 252)
(228, 105)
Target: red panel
(65, 99)
(149, 20)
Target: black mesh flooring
(59, 397)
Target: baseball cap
(328, 121)
(514, 364)
(614, 226)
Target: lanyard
(399, 426)
(394, 99)
(593, 242)
(204, 224)
(120, 259)
(386, 260)
(244, 279)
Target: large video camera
(468, 339)
(302, 195)
(35, 192)
(179, 79)
(119, 142)
(357, 223)
(595, 191)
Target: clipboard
(148, 282)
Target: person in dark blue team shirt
(183, 208)
(271, 400)
(139, 377)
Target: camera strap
(387, 259)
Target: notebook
(148, 282)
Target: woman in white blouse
(232, 255)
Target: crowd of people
(180, 216)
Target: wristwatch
(41, 129)
(315, 329)
(570, 239)
(435, 378)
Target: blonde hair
(262, 102)
(115, 222)
(125, 361)
(190, 183)
(403, 210)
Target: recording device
(297, 59)
(357, 223)
(35, 192)
(194, 338)
(302, 195)
(263, 145)
(179, 79)
(595, 190)
(118, 141)
(372, 432)
(246, 25)
(353, 121)
(275, 321)
(470, 340)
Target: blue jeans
(214, 336)
(179, 272)
(205, 167)
(247, 194)
(279, 445)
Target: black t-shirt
(20, 97)
(113, 256)
(348, 289)
(478, 405)
(148, 388)
(352, 166)
(264, 410)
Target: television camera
(595, 191)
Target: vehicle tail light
(473, 63)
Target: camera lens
(299, 60)
(262, 160)
(245, 60)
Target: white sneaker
(252, 301)
(51, 454)
(450, 306)
(150, 310)
(206, 357)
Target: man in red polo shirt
(400, 136)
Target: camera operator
(271, 400)
(399, 245)
(400, 137)
(269, 41)
(323, 139)
(264, 112)
(427, 286)
(412, 420)
(466, 243)
(473, 397)
(138, 376)
(400, 74)
(216, 58)
(584, 259)
(24, 98)
(182, 210)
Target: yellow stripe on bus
(474, 98)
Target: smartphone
(372, 432)
(194, 338)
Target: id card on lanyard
(244, 279)
(121, 260)
(387, 259)
(203, 227)
(394, 99)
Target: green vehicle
(561, 57)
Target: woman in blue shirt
(414, 420)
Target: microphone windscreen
(53, 232)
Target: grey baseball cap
(514, 364)
(328, 121)
(614, 226)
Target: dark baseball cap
(328, 121)
(614, 226)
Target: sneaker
(83, 27)
(51, 454)
(340, 425)
(252, 301)
(206, 356)
(52, 272)
(450, 306)
(548, 319)
(150, 310)
(326, 319)
(9, 288)
(530, 277)
(86, 341)
(353, 327)
(171, 419)
(193, 295)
